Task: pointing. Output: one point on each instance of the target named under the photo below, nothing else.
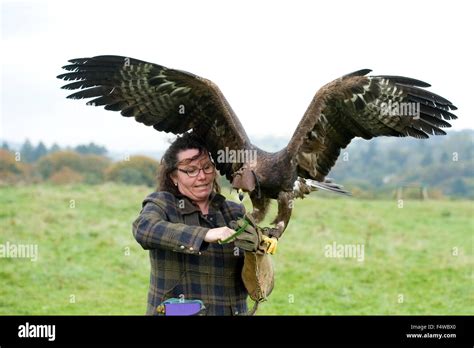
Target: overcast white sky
(268, 57)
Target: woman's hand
(216, 234)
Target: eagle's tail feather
(328, 185)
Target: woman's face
(196, 188)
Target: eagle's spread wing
(364, 106)
(169, 100)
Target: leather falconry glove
(248, 236)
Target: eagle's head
(245, 180)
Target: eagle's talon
(272, 244)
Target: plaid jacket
(183, 265)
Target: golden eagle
(175, 101)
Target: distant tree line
(82, 164)
(440, 166)
(30, 153)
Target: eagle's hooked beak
(241, 194)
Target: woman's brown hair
(169, 162)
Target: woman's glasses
(194, 171)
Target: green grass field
(417, 259)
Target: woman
(181, 225)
